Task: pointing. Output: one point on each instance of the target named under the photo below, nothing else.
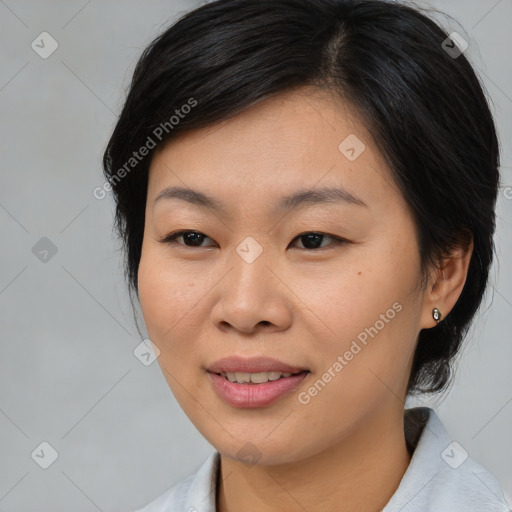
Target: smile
(251, 390)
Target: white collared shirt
(440, 477)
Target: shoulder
(441, 476)
(195, 493)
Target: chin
(262, 452)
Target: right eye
(193, 237)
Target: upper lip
(252, 365)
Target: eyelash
(171, 239)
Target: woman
(306, 193)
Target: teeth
(259, 378)
(254, 378)
(240, 377)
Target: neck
(360, 473)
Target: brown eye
(312, 240)
(190, 238)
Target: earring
(436, 315)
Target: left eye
(311, 239)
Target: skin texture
(345, 449)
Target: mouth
(256, 377)
(258, 381)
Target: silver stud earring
(436, 314)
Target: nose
(252, 297)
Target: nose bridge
(250, 261)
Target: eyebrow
(300, 198)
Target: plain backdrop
(68, 373)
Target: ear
(446, 283)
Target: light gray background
(68, 375)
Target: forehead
(294, 140)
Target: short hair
(423, 106)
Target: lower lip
(255, 395)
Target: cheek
(369, 312)
(167, 295)
(170, 303)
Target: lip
(252, 365)
(255, 395)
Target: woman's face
(249, 282)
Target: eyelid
(337, 240)
(170, 238)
